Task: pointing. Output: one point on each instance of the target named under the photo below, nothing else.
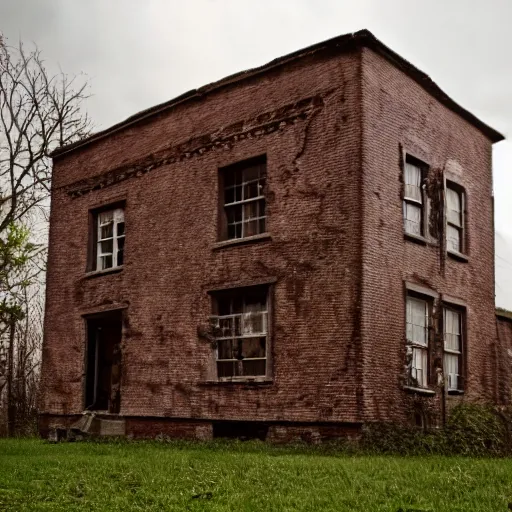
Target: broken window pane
(120, 251)
(242, 331)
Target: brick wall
(332, 128)
(171, 260)
(398, 114)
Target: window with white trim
(109, 239)
(244, 199)
(454, 218)
(414, 198)
(453, 364)
(240, 324)
(417, 321)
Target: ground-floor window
(240, 324)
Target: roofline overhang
(337, 45)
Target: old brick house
(294, 250)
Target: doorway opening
(103, 363)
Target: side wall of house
(504, 333)
(305, 118)
(398, 115)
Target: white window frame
(416, 348)
(458, 226)
(410, 200)
(242, 320)
(261, 179)
(454, 382)
(117, 218)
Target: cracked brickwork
(170, 263)
(331, 128)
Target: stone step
(96, 425)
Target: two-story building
(292, 251)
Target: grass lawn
(35, 475)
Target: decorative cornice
(223, 139)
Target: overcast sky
(137, 53)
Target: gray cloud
(139, 53)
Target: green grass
(35, 475)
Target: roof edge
(346, 42)
(503, 313)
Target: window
(417, 318)
(452, 321)
(244, 200)
(454, 218)
(241, 331)
(109, 239)
(414, 199)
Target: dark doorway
(103, 377)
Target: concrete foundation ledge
(59, 427)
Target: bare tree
(38, 113)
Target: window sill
(97, 273)
(415, 238)
(239, 241)
(420, 391)
(255, 381)
(457, 256)
(455, 392)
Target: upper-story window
(243, 199)
(414, 197)
(455, 218)
(109, 239)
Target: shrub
(471, 430)
(476, 430)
